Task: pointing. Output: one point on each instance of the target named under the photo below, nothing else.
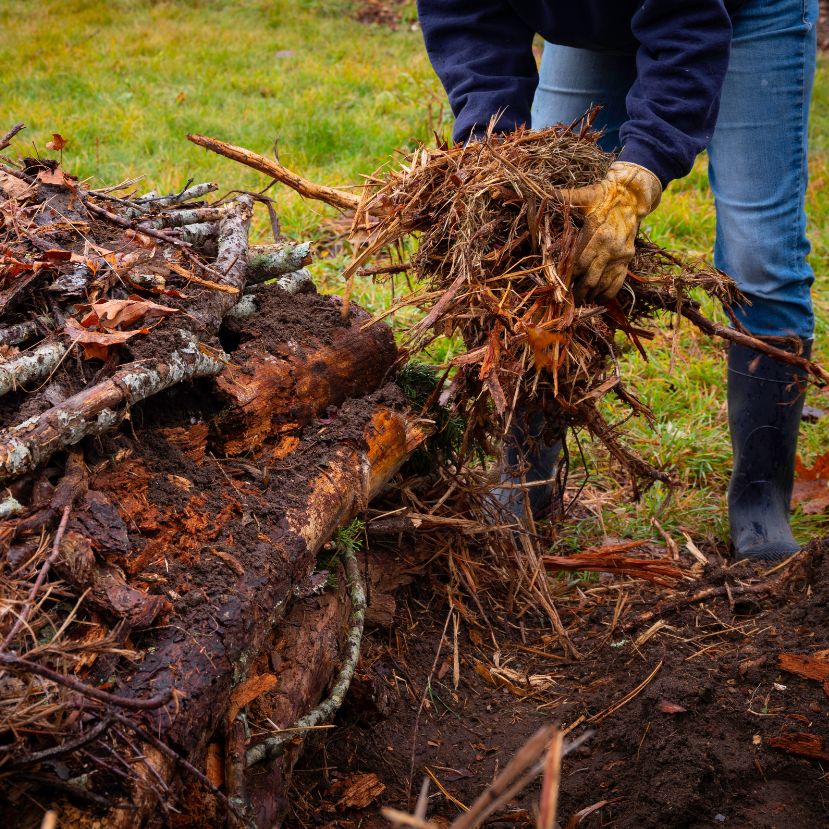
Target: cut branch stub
(272, 261)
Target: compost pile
(186, 424)
(496, 238)
(167, 488)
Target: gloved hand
(612, 211)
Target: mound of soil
(686, 707)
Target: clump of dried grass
(496, 243)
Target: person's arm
(680, 67)
(482, 53)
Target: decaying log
(210, 657)
(308, 653)
(267, 393)
(273, 747)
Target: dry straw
(496, 243)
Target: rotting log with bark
(204, 655)
(300, 377)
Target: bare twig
(329, 195)
(41, 577)
(715, 329)
(17, 663)
(6, 140)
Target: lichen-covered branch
(27, 445)
(21, 332)
(31, 366)
(272, 261)
(325, 711)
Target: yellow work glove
(612, 209)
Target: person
(673, 77)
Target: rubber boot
(531, 454)
(765, 403)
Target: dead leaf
(56, 177)
(667, 707)
(140, 238)
(96, 344)
(546, 347)
(57, 143)
(493, 385)
(58, 255)
(247, 691)
(13, 186)
(518, 683)
(115, 314)
(811, 486)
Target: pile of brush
(161, 469)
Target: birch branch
(271, 261)
(95, 410)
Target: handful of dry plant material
(493, 265)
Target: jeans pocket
(809, 11)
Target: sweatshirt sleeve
(680, 64)
(482, 53)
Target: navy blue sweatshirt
(482, 52)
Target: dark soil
(690, 750)
(282, 317)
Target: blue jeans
(757, 157)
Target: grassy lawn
(125, 80)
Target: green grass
(125, 80)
